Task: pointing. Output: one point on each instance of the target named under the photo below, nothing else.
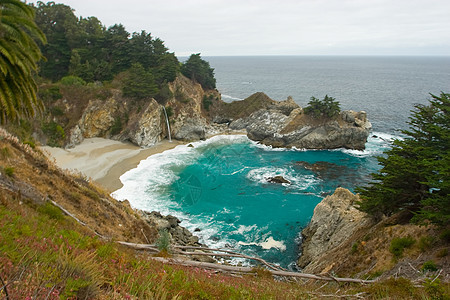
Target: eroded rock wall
(335, 219)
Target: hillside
(46, 254)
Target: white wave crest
(227, 97)
(268, 243)
(298, 181)
(376, 144)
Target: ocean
(219, 188)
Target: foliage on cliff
(327, 107)
(19, 54)
(199, 70)
(415, 172)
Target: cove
(220, 190)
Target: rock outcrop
(195, 114)
(147, 129)
(334, 220)
(273, 127)
(188, 121)
(283, 124)
(179, 234)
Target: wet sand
(105, 160)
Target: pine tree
(415, 171)
(199, 70)
(19, 54)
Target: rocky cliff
(144, 122)
(335, 219)
(343, 240)
(195, 114)
(283, 124)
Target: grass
(45, 254)
(398, 245)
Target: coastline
(104, 160)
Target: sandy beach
(105, 160)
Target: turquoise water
(219, 189)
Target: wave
(227, 97)
(377, 143)
(269, 243)
(297, 181)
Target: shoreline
(104, 160)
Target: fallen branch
(234, 269)
(270, 265)
(359, 295)
(226, 253)
(67, 212)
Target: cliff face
(283, 124)
(276, 128)
(343, 240)
(195, 114)
(144, 123)
(335, 219)
(188, 121)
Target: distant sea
(219, 187)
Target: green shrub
(163, 241)
(169, 111)
(429, 266)
(435, 290)
(425, 243)
(354, 248)
(4, 152)
(117, 126)
(399, 244)
(72, 80)
(328, 107)
(49, 94)
(31, 144)
(54, 132)
(9, 171)
(51, 211)
(105, 250)
(207, 101)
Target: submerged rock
(278, 179)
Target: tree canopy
(328, 107)
(84, 47)
(416, 170)
(19, 54)
(199, 70)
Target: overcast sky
(283, 27)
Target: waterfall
(167, 122)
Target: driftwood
(234, 269)
(67, 212)
(270, 265)
(226, 253)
